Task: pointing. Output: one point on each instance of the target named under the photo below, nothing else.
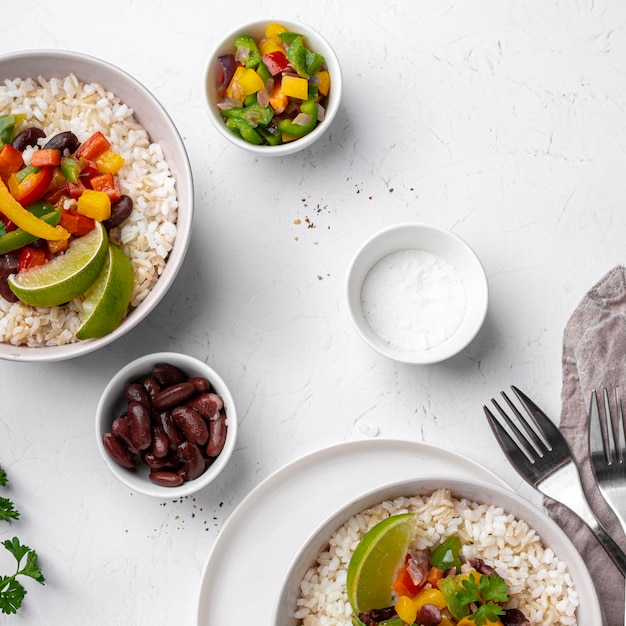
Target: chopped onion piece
(321, 112)
(228, 103)
(302, 119)
(242, 54)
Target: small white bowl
(551, 535)
(314, 41)
(161, 129)
(112, 404)
(448, 249)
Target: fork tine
(511, 447)
(531, 430)
(546, 428)
(621, 435)
(610, 451)
(596, 436)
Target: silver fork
(540, 454)
(608, 455)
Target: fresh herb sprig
(489, 593)
(12, 591)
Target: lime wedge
(66, 276)
(376, 561)
(107, 300)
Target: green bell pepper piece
(308, 107)
(254, 56)
(450, 588)
(19, 238)
(271, 139)
(245, 129)
(305, 61)
(255, 114)
(448, 554)
(70, 169)
(263, 72)
(7, 126)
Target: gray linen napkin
(594, 356)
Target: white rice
(540, 585)
(147, 237)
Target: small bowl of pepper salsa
(273, 87)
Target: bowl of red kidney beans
(166, 425)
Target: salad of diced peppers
(440, 588)
(59, 195)
(274, 90)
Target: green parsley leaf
(488, 593)
(7, 510)
(12, 591)
(3, 478)
(11, 594)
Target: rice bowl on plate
(548, 580)
(65, 91)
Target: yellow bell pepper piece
(274, 29)
(234, 89)
(430, 596)
(406, 609)
(110, 162)
(26, 220)
(250, 82)
(271, 44)
(323, 85)
(465, 621)
(295, 87)
(94, 204)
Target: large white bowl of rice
(548, 579)
(60, 91)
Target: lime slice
(66, 276)
(107, 300)
(376, 561)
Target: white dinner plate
(254, 549)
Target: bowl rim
(107, 403)
(475, 490)
(183, 180)
(334, 68)
(468, 330)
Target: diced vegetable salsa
(273, 90)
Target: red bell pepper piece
(276, 62)
(93, 147)
(11, 161)
(76, 189)
(32, 187)
(75, 223)
(32, 257)
(46, 157)
(403, 584)
(107, 183)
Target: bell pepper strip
(323, 82)
(106, 183)
(250, 82)
(255, 114)
(245, 129)
(305, 61)
(93, 147)
(271, 44)
(234, 89)
(450, 589)
(25, 220)
(271, 138)
(308, 107)
(247, 52)
(75, 223)
(406, 609)
(11, 161)
(110, 162)
(447, 555)
(94, 204)
(19, 238)
(75, 190)
(7, 128)
(46, 157)
(70, 169)
(32, 257)
(29, 184)
(276, 62)
(295, 87)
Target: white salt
(413, 300)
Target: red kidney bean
(172, 432)
(139, 423)
(166, 479)
(193, 462)
(117, 450)
(191, 423)
(167, 374)
(28, 137)
(121, 428)
(173, 395)
(217, 436)
(65, 140)
(120, 212)
(137, 393)
(170, 462)
(208, 405)
(201, 384)
(151, 386)
(160, 443)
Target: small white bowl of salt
(416, 293)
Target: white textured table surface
(503, 122)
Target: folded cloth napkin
(594, 356)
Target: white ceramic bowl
(450, 249)
(314, 41)
(112, 404)
(153, 117)
(550, 533)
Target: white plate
(263, 534)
